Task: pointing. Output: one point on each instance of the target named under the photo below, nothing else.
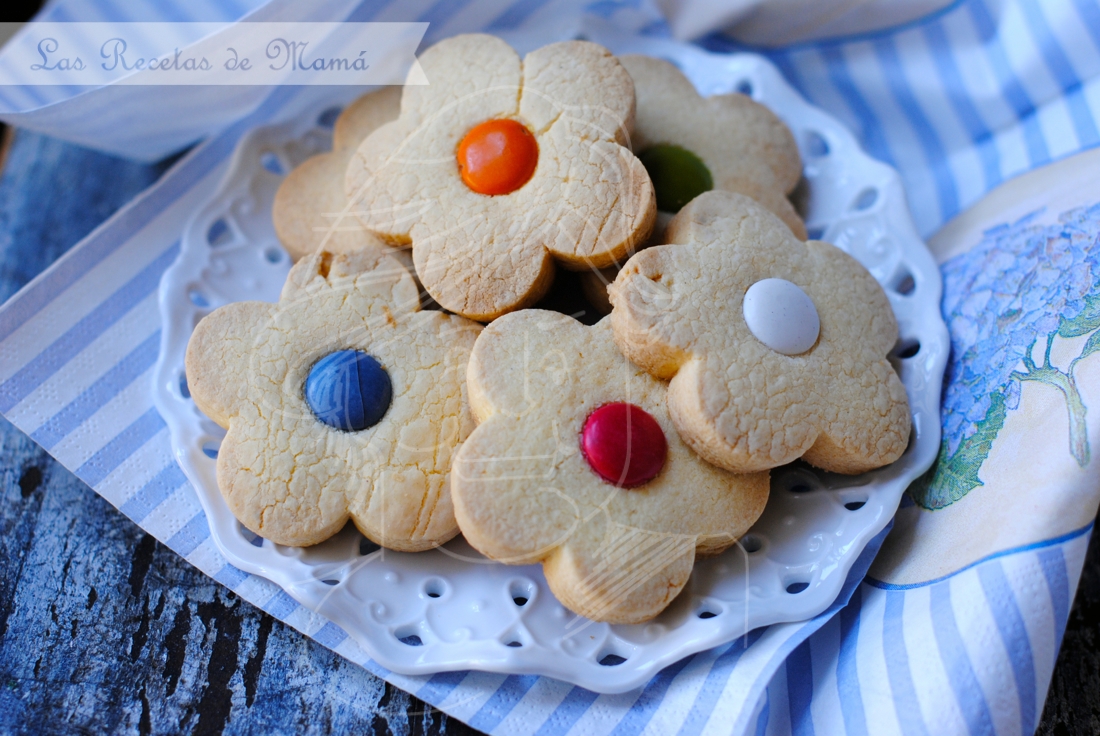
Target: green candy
(678, 175)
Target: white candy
(782, 316)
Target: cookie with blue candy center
(349, 390)
(343, 400)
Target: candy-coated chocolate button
(497, 156)
(348, 390)
(782, 316)
(623, 444)
(678, 175)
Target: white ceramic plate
(451, 609)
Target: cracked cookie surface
(587, 204)
(310, 210)
(679, 313)
(286, 474)
(742, 144)
(525, 491)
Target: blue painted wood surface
(103, 629)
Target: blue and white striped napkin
(957, 627)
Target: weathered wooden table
(103, 629)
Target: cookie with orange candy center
(502, 169)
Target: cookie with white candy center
(776, 348)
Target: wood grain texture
(1073, 702)
(103, 629)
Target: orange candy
(497, 156)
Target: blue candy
(349, 390)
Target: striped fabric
(946, 99)
(970, 653)
(962, 100)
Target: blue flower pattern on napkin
(1005, 301)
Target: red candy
(624, 444)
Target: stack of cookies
(404, 380)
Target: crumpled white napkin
(781, 22)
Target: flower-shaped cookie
(501, 167)
(310, 209)
(691, 144)
(776, 348)
(575, 463)
(341, 400)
